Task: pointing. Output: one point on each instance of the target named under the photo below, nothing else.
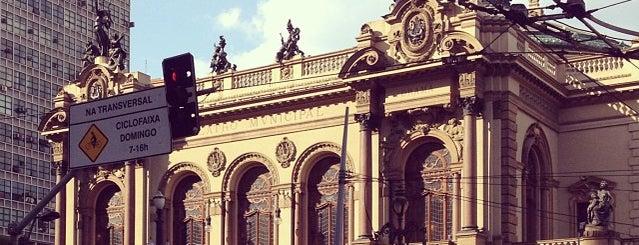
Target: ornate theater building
(461, 129)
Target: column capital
(61, 167)
(472, 105)
(366, 121)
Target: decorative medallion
(417, 36)
(286, 72)
(96, 85)
(285, 152)
(216, 162)
(96, 90)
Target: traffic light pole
(15, 229)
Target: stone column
(275, 213)
(227, 235)
(469, 233)
(297, 215)
(456, 203)
(60, 202)
(364, 195)
(129, 210)
(469, 167)
(84, 214)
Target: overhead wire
(488, 203)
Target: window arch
(255, 203)
(109, 217)
(188, 211)
(536, 186)
(429, 190)
(322, 202)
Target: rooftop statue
(117, 54)
(289, 47)
(101, 28)
(600, 207)
(219, 62)
(91, 51)
(105, 45)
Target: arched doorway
(321, 210)
(255, 207)
(429, 190)
(109, 217)
(189, 211)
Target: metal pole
(15, 229)
(339, 227)
(158, 228)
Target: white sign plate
(120, 128)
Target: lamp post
(158, 201)
(396, 235)
(400, 206)
(46, 217)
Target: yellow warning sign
(93, 142)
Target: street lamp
(48, 216)
(158, 201)
(396, 235)
(400, 206)
(278, 216)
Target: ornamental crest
(285, 152)
(97, 85)
(216, 162)
(417, 36)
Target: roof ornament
(105, 45)
(289, 47)
(219, 63)
(101, 27)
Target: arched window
(536, 187)
(322, 202)
(429, 190)
(109, 217)
(188, 212)
(531, 197)
(255, 207)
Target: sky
(252, 28)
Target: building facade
(41, 43)
(459, 129)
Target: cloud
(202, 68)
(230, 18)
(326, 26)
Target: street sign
(130, 126)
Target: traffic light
(181, 95)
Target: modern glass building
(41, 46)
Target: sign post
(130, 126)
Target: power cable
(502, 204)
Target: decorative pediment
(365, 60)
(458, 43)
(55, 119)
(588, 184)
(97, 81)
(417, 29)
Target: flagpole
(339, 226)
